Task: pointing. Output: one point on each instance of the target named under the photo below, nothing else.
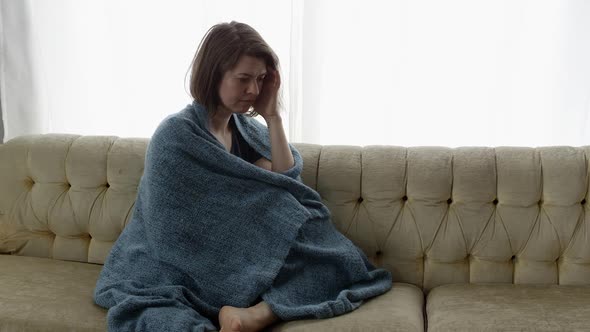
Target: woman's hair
(218, 52)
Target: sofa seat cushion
(508, 307)
(40, 294)
(400, 309)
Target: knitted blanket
(210, 229)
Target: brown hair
(219, 51)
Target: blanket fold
(210, 229)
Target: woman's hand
(266, 103)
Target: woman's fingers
(275, 77)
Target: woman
(224, 233)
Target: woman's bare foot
(250, 319)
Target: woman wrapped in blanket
(224, 233)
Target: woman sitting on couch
(224, 233)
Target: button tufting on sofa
(429, 246)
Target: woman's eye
(244, 80)
(260, 79)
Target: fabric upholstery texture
(431, 215)
(70, 195)
(469, 307)
(40, 294)
(400, 309)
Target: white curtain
(453, 72)
(111, 67)
(405, 72)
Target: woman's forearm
(282, 158)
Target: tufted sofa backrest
(431, 215)
(65, 196)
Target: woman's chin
(242, 109)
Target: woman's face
(241, 85)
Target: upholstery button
(583, 201)
(449, 201)
(378, 253)
(360, 199)
(405, 198)
(495, 201)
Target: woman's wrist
(282, 158)
(272, 118)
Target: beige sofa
(476, 238)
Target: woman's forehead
(250, 65)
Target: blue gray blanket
(210, 229)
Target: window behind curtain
(400, 72)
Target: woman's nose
(253, 88)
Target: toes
(235, 325)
